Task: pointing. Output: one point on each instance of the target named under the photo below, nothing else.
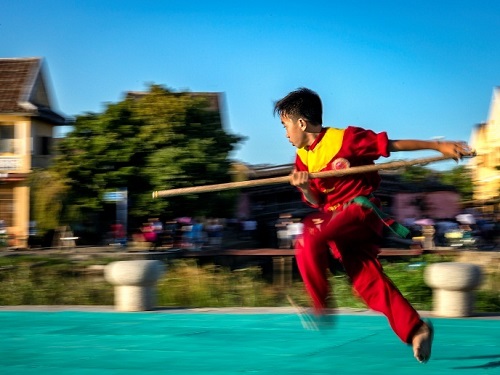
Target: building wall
(26, 127)
(435, 205)
(41, 143)
(20, 229)
(17, 161)
(14, 169)
(485, 139)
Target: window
(7, 206)
(45, 143)
(7, 140)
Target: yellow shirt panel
(318, 158)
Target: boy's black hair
(302, 102)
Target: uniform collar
(318, 139)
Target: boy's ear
(302, 124)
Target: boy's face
(294, 131)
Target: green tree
(417, 174)
(48, 193)
(154, 140)
(461, 178)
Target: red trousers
(351, 235)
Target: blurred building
(400, 199)
(27, 121)
(485, 139)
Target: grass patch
(51, 284)
(58, 281)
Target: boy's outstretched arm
(454, 149)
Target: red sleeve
(366, 143)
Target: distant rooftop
(23, 89)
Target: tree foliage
(461, 178)
(416, 174)
(154, 140)
(48, 193)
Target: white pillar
(428, 233)
(453, 286)
(135, 283)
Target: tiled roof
(17, 81)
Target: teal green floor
(75, 342)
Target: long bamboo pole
(283, 179)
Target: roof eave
(47, 115)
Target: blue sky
(416, 69)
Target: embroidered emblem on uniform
(317, 225)
(326, 191)
(339, 164)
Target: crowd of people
(184, 233)
(288, 229)
(198, 234)
(467, 230)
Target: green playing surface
(187, 342)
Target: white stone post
(135, 283)
(453, 286)
(428, 234)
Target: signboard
(115, 196)
(10, 164)
(120, 198)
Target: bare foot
(422, 342)
(312, 319)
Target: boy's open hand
(455, 150)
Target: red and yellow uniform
(350, 231)
(336, 149)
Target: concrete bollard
(428, 232)
(135, 283)
(453, 286)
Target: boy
(350, 230)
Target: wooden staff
(283, 179)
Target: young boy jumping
(347, 223)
